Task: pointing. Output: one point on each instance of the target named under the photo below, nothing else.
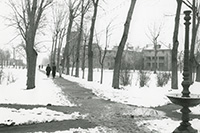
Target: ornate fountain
(185, 99)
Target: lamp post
(186, 82)
(185, 99)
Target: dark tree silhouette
(117, 67)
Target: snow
(148, 96)
(97, 129)
(16, 92)
(12, 90)
(167, 125)
(36, 115)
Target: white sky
(147, 15)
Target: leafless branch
(188, 4)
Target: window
(161, 66)
(148, 58)
(161, 58)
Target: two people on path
(49, 69)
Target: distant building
(131, 59)
(163, 59)
(95, 52)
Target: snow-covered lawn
(46, 92)
(12, 90)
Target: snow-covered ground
(12, 90)
(148, 96)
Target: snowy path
(115, 116)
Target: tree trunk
(52, 49)
(117, 67)
(31, 67)
(101, 80)
(174, 81)
(83, 60)
(61, 36)
(102, 64)
(31, 53)
(90, 51)
(194, 30)
(155, 57)
(58, 56)
(66, 51)
(198, 74)
(73, 60)
(78, 47)
(55, 47)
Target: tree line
(4, 57)
(75, 15)
(29, 16)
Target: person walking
(53, 70)
(48, 70)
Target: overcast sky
(148, 15)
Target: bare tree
(117, 67)
(85, 38)
(59, 31)
(102, 53)
(73, 59)
(198, 65)
(85, 5)
(90, 52)
(73, 6)
(60, 43)
(27, 17)
(195, 26)
(155, 33)
(54, 45)
(174, 81)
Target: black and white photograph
(99, 66)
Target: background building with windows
(163, 58)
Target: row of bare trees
(28, 17)
(78, 9)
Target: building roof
(159, 47)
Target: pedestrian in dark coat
(48, 70)
(53, 70)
